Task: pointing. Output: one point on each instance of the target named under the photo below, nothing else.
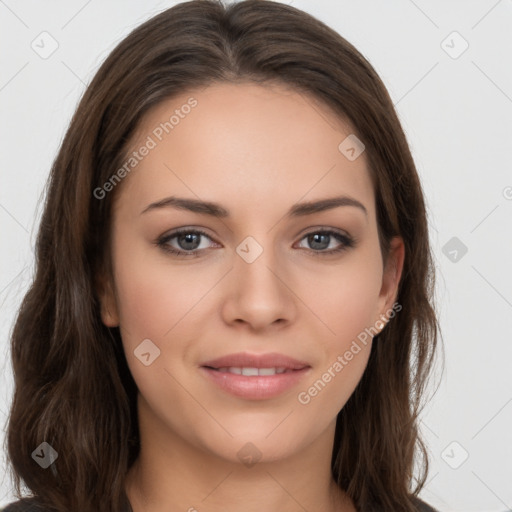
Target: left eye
(322, 239)
(188, 241)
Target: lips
(255, 377)
(245, 360)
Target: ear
(391, 278)
(108, 302)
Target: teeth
(267, 371)
(250, 372)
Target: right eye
(188, 241)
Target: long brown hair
(73, 388)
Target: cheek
(331, 387)
(345, 298)
(165, 303)
(346, 305)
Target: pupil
(189, 239)
(316, 244)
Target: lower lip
(258, 387)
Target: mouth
(247, 361)
(252, 371)
(255, 377)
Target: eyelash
(162, 242)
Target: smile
(249, 372)
(254, 383)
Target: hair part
(73, 388)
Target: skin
(256, 150)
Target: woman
(232, 305)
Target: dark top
(31, 505)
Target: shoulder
(421, 506)
(24, 505)
(31, 504)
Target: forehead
(246, 145)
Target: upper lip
(246, 360)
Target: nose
(259, 294)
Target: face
(259, 279)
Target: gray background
(456, 109)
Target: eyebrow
(216, 210)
